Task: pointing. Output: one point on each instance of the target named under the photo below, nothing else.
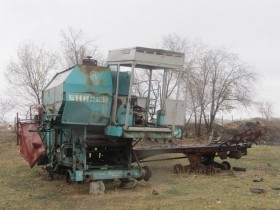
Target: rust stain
(88, 70)
(89, 81)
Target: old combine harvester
(90, 121)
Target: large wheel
(226, 165)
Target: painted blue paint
(121, 116)
(160, 117)
(88, 109)
(86, 93)
(115, 131)
(113, 174)
(79, 176)
(124, 78)
(177, 133)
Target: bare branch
(76, 46)
(5, 107)
(265, 109)
(29, 73)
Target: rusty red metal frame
(202, 157)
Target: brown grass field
(25, 188)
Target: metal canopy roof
(147, 58)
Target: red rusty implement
(31, 145)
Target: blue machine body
(79, 136)
(89, 122)
(81, 95)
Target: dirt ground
(25, 188)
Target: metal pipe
(30, 112)
(17, 120)
(74, 153)
(177, 96)
(174, 158)
(149, 95)
(164, 90)
(129, 96)
(84, 148)
(114, 111)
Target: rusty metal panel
(31, 145)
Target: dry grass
(25, 188)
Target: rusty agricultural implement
(201, 157)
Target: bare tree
(214, 80)
(5, 107)
(176, 43)
(192, 87)
(188, 91)
(196, 85)
(192, 99)
(29, 73)
(265, 109)
(229, 83)
(140, 82)
(76, 46)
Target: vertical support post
(129, 96)
(17, 127)
(48, 140)
(164, 90)
(85, 149)
(149, 95)
(30, 114)
(115, 103)
(74, 152)
(179, 83)
(177, 95)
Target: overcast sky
(250, 28)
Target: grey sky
(250, 28)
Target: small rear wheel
(226, 165)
